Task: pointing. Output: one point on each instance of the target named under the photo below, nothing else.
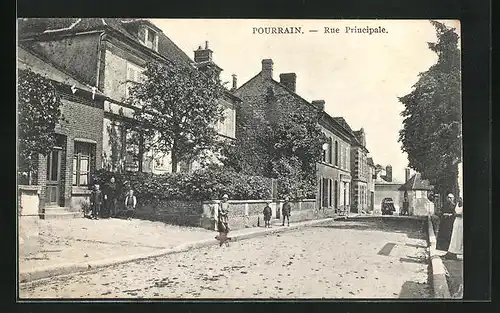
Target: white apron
(457, 238)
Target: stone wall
(242, 213)
(28, 219)
(248, 213)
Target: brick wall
(84, 120)
(185, 213)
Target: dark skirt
(222, 227)
(267, 217)
(444, 233)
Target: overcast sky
(360, 76)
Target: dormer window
(149, 38)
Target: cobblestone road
(353, 259)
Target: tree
(39, 110)
(281, 140)
(431, 133)
(178, 108)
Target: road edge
(70, 268)
(438, 272)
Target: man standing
(110, 195)
(446, 223)
(286, 211)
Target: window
(134, 76)
(324, 200)
(336, 153)
(330, 192)
(150, 38)
(227, 126)
(330, 150)
(82, 158)
(336, 194)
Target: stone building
(359, 170)
(265, 101)
(415, 190)
(65, 173)
(334, 170)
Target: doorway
(53, 177)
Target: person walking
(223, 221)
(267, 214)
(457, 238)
(130, 204)
(110, 197)
(446, 223)
(286, 211)
(95, 202)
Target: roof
(370, 161)
(28, 59)
(343, 122)
(336, 123)
(44, 26)
(280, 85)
(416, 183)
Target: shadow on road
(414, 290)
(414, 228)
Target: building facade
(360, 172)
(371, 184)
(64, 174)
(334, 170)
(105, 57)
(110, 55)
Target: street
(340, 259)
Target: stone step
(59, 213)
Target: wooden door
(53, 177)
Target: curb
(70, 268)
(439, 282)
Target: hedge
(204, 184)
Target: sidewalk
(81, 244)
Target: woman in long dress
(446, 224)
(457, 238)
(223, 221)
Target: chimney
(320, 104)
(388, 173)
(289, 80)
(203, 55)
(267, 68)
(235, 82)
(407, 174)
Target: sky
(360, 76)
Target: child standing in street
(267, 215)
(223, 221)
(95, 202)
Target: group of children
(108, 199)
(285, 210)
(223, 218)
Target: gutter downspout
(99, 53)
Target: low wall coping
(80, 191)
(29, 188)
(254, 201)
